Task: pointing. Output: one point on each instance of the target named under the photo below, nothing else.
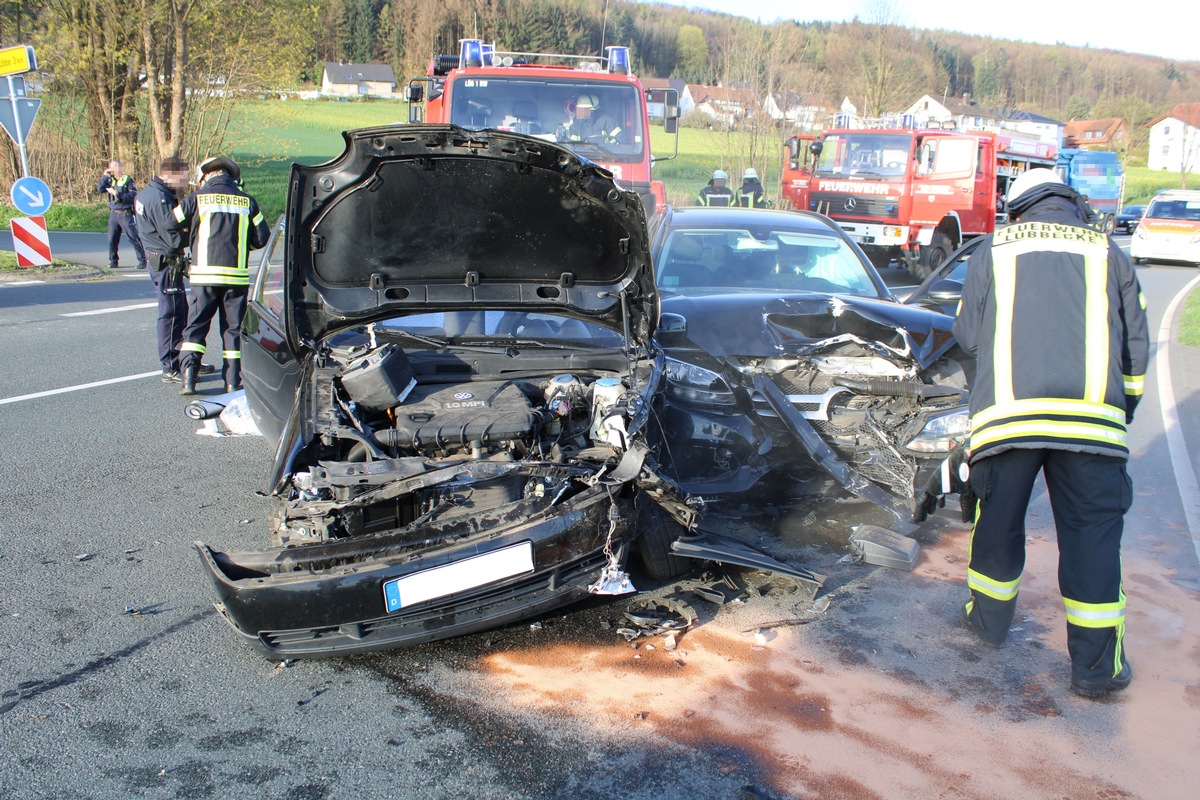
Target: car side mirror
(672, 330)
(945, 291)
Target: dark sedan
(450, 337)
(787, 351)
(1127, 221)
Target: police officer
(717, 193)
(225, 224)
(162, 237)
(751, 193)
(121, 191)
(1054, 315)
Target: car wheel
(1139, 261)
(932, 255)
(656, 530)
(1110, 223)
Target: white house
(352, 80)
(728, 105)
(1175, 139)
(798, 111)
(656, 96)
(965, 114)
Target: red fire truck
(910, 194)
(593, 105)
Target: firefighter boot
(1098, 662)
(189, 379)
(233, 374)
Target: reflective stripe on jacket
(225, 225)
(1054, 315)
(712, 196)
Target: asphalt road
(117, 679)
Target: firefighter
(585, 123)
(1061, 410)
(751, 194)
(716, 193)
(163, 240)
(121, 191)
(225, 224)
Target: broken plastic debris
(245, 521)
(535, 626)
(821, 604)
(670, 642)
(764, 635)
(885, 548)
(85, 557)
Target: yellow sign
(15, 60)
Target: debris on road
(884, 548)
(85, 557)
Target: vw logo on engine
(463, 395)
(850, 204)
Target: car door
(942, 290)
(270, 371)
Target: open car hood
(416, 218)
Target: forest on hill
(140, 79)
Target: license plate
(458, 576)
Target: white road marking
(110, 310)
(79, 388)
(1181, 462)
(21, 283)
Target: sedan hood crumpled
(793, 323)
(415, 218)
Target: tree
(165, 27)
(890, 71)
(1078, 108)
(693, 63)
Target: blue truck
(1098, 176)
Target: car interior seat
(526, 114)
(683, 267)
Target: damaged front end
(416, 510)
(833, 388)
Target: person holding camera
(122, 192)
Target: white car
(1170, 229)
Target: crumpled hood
(721, 324)
(415, 218)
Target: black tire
(1109, 223)
(932, 255)
(656, 530)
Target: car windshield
(502, 327)
(874, 155)
(1175, 209)
(1133, 211)
(699, 260)
(600, 121)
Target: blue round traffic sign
(31, 196)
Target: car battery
(380, 379)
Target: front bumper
(339, 610)
(1165, 247)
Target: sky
(1157, 27)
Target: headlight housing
(697, 385)
(943, 433)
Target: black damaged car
(787, 355)
(450, 338)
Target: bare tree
(890, 69)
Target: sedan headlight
(943, 433)
(697, 384)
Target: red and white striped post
(31, 241)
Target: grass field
(1189, 323)
(269, 135)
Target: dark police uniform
(120, 217)
(718, 197)
(162, 236)
(751, 194)
(1053, 312)
(225, 225)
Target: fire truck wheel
(932, 255)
